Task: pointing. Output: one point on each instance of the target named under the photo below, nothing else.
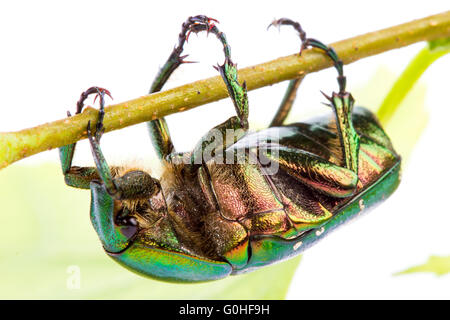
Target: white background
(53, 50)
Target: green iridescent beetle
(207, 218)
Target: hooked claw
(275, 23)
(198, 23)
(99, 92)
(302, 34)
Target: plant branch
(18, 145)
(410, 75)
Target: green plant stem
(18, 145)
(407, 79)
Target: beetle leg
(103, 169)
(342, 102)
(192, 24)
(237, 92)
(78, 177)
(309, 42)
(133, 184)
(291, 91)
(158, 129)
(218, 138)
(287, 103)
(314, 171)
(216, 141)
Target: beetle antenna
(309, 42)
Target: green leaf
(433, 51)
(46, 231)
(435, 264)
(411, 111)
(439, 45)
(404, 102)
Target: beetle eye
(126, 221)
(122, 214)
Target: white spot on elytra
(361, 204)
(320, 231)
(298, 245)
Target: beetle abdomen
(257, 211)
(271, 249)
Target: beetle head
(134, 205)
(139, 234)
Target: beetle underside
(210, 225)
(205, 218)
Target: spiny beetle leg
(133, 184)
(102, 166)
(289, 97)
(192, 24)
(101, 113)
(238, 94)
(342, 81)
(315, 171)
(342, 102)
(158, 129)
(309, 42)
(78, 177)
(288, 22)
(286, 103)
(160, 137)
(217, 140)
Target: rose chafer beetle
(205, 219)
